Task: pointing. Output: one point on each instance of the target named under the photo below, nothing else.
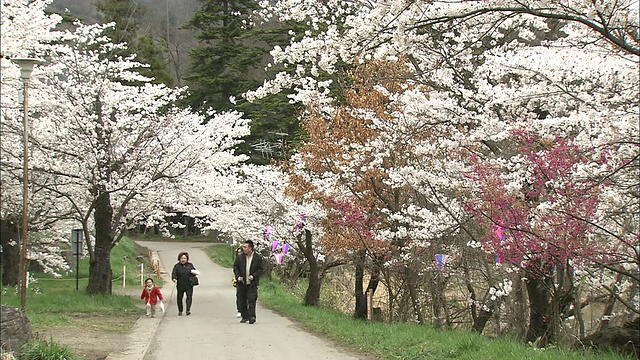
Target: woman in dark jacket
(181, 273)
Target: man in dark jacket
(247, 269)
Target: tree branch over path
(601, 27)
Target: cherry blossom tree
(26, 30)
(356, 163)
(248, 202)
(255, 206)
(122, 148)
(561, 70)
(555, 222)
(105, 152)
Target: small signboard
(77, 245)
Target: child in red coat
(150, 295)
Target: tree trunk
(312, 296)
(390, 296)
(9, 237)
(361, 298)
(578, 313)
(440, 309)
(480, 321)
(564, 295)
(479, 315)
(413, 294)
(361, 293)
(520, 301)
(607, 313)
(100, 264)
(539, 291)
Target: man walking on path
(247, 269)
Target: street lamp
(26, 67)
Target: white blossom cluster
(47, 253)
(255, 199)
(503, 289)
(92, 132)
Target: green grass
(222, 254)
(52, 301)
(396, 341)
(176, 238)
(47, 350)
(407, 341)
(124, 254)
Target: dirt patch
(92, 336)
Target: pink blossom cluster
(550, 216)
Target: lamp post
(26, 67)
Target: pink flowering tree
(353, 227)
(544, 216)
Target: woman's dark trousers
(181, 292)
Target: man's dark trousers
(247, 297)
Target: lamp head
(26, 66)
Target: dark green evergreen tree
(229, 62)
(222, 66)
(126, 14)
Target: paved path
(213, 331)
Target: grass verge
(407, 341)
(400, 340)
(176, 238)
(55, 301)
(222, 254)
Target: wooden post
(158, 268)
(369, 304)
(77, 266)
(124, 275)
(142, 274)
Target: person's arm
(159, 294)
(143, 296)
(258, 267)
(174, 273)
(194, 271)
(236, 268)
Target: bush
(47, 350)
